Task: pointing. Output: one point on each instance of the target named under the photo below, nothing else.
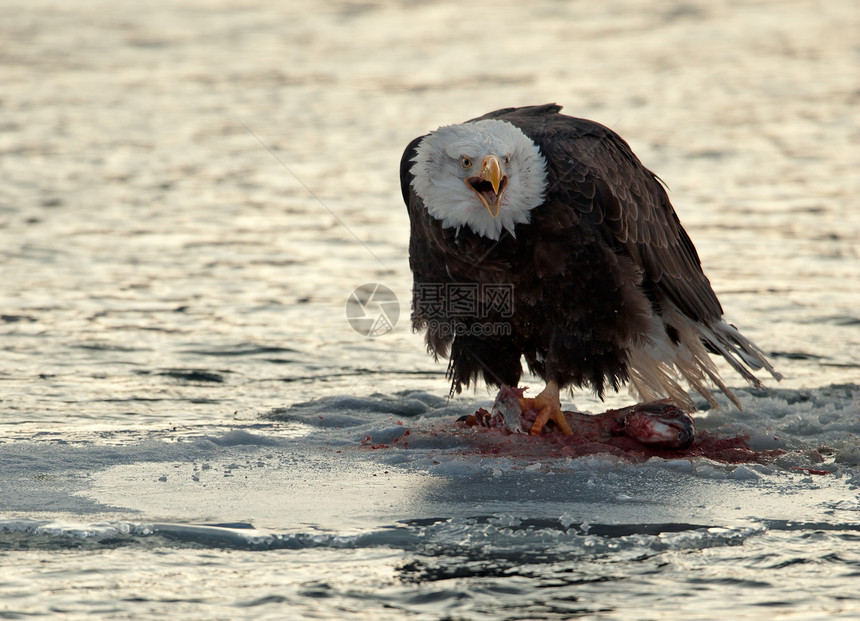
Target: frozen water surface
(190, 426)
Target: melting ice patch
(349, 466)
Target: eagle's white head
(487, 175)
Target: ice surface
(344, 464)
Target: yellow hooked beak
(490, 184)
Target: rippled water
(190, 192)
(437, 569)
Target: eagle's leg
(548, 406)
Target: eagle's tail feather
(741, 349)
(655, 365)
(652, 379)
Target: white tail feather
(658, 363)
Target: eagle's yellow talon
(548, 407)
(540, 421)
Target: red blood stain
(811, 471)
(484, 441)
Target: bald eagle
(539, 236)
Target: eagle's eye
(465, 162)
(507, 159)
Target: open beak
(490, 184)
